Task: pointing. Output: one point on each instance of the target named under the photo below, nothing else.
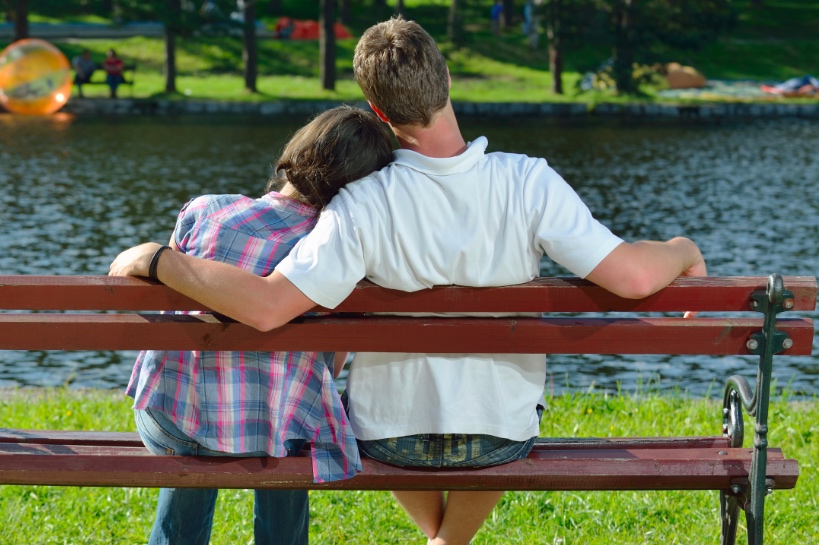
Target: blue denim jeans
(447, 450)
(184, 516)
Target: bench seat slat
(20, 292)
(718, 336)
(131, 439)
(611, 469)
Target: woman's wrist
(154, 263)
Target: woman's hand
(134, 261)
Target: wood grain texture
(568, 294)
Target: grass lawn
(60, 515)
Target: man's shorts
(447, 450)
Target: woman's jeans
(184, 516)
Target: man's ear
(379, 113)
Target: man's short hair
(402, 72)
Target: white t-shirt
(476, 219)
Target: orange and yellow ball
(35, 77)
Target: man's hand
(134, 261)
(696, 269)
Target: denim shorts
(449, 450)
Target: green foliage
(636, 28)
(773, 43)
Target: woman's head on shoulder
(336, 147)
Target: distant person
(207, 403)
(495, 14)
(113, 67)
(531, 22)
(84, 67)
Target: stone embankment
(127, 106)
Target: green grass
(68, 515)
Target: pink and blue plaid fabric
(243, 402)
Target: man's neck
(441, 139)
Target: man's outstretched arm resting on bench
(632, 270)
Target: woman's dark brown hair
(336, 147)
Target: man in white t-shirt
(443, 212)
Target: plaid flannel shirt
(242, 402)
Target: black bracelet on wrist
(155, 262)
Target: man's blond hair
(402, 72)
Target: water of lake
(76, 191)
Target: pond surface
(76, 191)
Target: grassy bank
(52, 515)
(772, 43)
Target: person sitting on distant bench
(84, 67)
(113, 67)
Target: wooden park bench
(742, 475)
(128, 77)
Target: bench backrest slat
(539, 295)
(397, 334)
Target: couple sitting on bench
(84, 67)
(439, 211)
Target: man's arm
(264, 303)
(639, 269)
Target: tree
(555, 18)
(179, 18)
(249, 57)
(19, 12)
(345, 12)
(275, 7)
(172, 28)
(327, 44)
(455, 23)
(508, 13)
(636, 28)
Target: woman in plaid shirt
(254, 403)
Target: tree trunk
(455, 28)
(623, 50)
(345, 11)
(554, 18)
(170, 60)
(19, 10)
(249, 57)
(327, 44)
(508, 13)
(556, 66)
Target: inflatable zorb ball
(35, 77)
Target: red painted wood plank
(60, 437)
(540, 295)
(397, 334)
(131, 439)
(613, 469)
